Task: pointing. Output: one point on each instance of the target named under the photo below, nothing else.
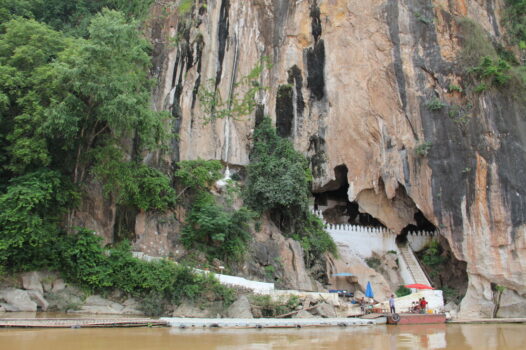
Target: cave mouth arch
(421, 224)
(333, 201)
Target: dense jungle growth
(75, 107)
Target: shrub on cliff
(278, 182)
(278, 178)
(217, 230)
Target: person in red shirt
(423, 305)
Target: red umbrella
(418, 286)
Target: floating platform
(488, 320)
(270, 322)
(401, 319)
(80, 322)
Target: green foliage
(278, 176)
(402, 291)
(314, 240)
(515, 20)
(199, 174)
(373, 262)
(422, 149)
(488, 66)
(85, 262)
(435, 104)
(278, 180)
(153, 304)
(453, 87)
(273, 308)
(270, 270)
(495, 71)
(220, 233)
(134, 184)
(30, 213)
(185, 6)
(65, 99)
(237, 105)
(72, 16)
(433, 258)
(459, 114)
(426, 20)
(476, 43)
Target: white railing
(413, 235)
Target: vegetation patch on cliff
(278, 180)
(489, 65)
(215, 229)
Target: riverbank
(204, 323)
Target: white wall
(419, 240)
(257, 287)
(433, 297)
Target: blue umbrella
(369, 291)
(344, 274)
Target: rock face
(240, 309)
(17, 300)
(349, 85)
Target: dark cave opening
(422, 224)
(332, 200)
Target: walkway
(412, 264)
(79, 322)
(270, 322)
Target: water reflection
(428, 337)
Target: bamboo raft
(79, 323)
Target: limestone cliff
(349, 84)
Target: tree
(278, 178)
(106, 91)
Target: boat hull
(416, 319)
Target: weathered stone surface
(451, 306)
(17, 300)
(65, 300)
(131, 307)
(240, 309)
(362, 274)
(512, 305)
(95, 304)
(304, 314)
(190, 310)
(271, 248)
(58, 285)
(325, 310)
(32, 281)
(478, 301)
(38, 298)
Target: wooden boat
(399, 319)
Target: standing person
(362, 305)
(392, 304)
(423, 305)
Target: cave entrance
(333, 201)
(422, 224)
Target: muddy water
(457, 337)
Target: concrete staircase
(412, 264)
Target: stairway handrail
(408, 246)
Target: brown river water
(458, 337)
